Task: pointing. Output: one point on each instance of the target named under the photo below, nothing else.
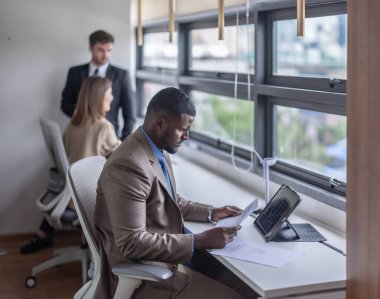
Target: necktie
(166, 174)
(96, 73)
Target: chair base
(62, 256)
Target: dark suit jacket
(136, 217)
(121, 89)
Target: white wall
(39, 41)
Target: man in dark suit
(101, 44)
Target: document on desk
(237, 220)
(258, 253)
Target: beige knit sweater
(92, 139)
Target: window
(215, 118)
(150, 89)
(210, 54)
(296, 88)
(322, 52)
(312, 140)
(158, 52)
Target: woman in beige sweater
(89, 133)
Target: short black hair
(172, 101)
(100, 36)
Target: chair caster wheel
(30, 282)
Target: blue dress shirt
(160, 157)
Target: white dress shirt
(102, 70)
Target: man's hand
(215, 238)
(223, 212)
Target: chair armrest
(142, 271)
(60, 208)
(46, 207)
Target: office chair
(54, 205)
(82, 178)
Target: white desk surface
(318, 269)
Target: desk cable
(333, 247)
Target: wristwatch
(209, 215)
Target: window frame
(217, 83)
(164, 76)
(313, 177)
(322, 84)
(297, 92)
(267, 90)
(230, 20)
(157, 27)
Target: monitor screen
(277, 211)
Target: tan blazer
(93, 139)
(136, 217)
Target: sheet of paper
(257, 253)
(237, 220)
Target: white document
(258, 253)
(237, 220)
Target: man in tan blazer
(140, 216)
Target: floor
(63, 281)
(60, 282)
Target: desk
(319, 273)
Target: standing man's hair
(172, 102)
(101, 36)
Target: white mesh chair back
(54, 201)
(55, 206)
(82, 177)
(54, 144)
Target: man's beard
(173, 149)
